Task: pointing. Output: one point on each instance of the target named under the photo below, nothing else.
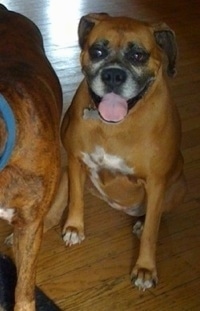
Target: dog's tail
(6, 114)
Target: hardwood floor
(95, 274)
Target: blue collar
(9, 119)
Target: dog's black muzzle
(113, 77)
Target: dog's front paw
(138, 228)
(143, 278)
(72, 236)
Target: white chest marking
(99, 159)
(7, 214)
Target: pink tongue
(113, 108)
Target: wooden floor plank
(95, 274)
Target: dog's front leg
(27, 241)
(144, 274)
(73, 230)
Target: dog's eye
(137, 57)
(97, 53)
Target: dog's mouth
(113, 107)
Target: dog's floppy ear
(86, 24)
(165, 38)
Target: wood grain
(95, 275)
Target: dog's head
(120, 58)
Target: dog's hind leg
(55, 213)
(174, 196)
(27, 240)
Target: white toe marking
(141, 284)
(72, 238)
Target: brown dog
(122, 131)
(30, 111)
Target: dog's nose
(113, 77)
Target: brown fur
(30, 179)
(148, 139)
